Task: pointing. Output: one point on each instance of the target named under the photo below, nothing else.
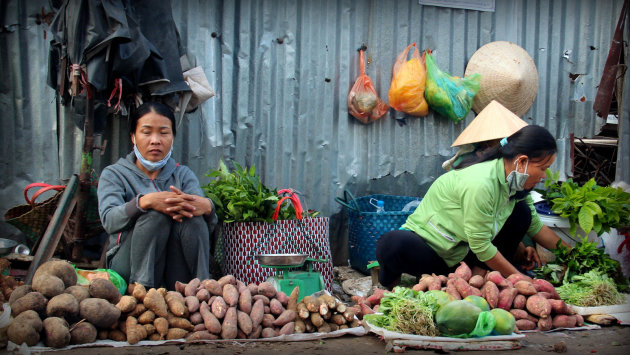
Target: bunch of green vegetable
(590, 206)
(240, 196)
(590, 289)
(406, 311)
(582, 258)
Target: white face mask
(516, 180)
(151, 165)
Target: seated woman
(478, 214)
(154, 208)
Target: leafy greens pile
(406, 311)
(590, 289)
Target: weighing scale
(287, 278)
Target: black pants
(403, 251)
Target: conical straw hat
(493, 122)
(508, 75)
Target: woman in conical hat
(478, 213)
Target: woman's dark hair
(151, 106)
(534, 141)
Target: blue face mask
(152, 165)
(516, 180)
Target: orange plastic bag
(406, 93)
(363, 102)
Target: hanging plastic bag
(406, 93)
(363, 102)
(450, 96)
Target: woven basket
(366, 226)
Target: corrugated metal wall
(282, 71)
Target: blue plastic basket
(365, 226)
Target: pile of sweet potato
(534, 302)
(324, 314)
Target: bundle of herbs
(579, 260)
(590, 289)
(406, 311)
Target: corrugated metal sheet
(282, 71)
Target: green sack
(450, 96)
(84, 277)
(485, 326)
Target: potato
(79, 292)
(57, 332)
(19, 292)
(127, 303)
(59, 268)
(101, 288)
(48, 285)
(83, 333)
(63, 305)
(25, 328)
(31, 301)
(99, 312)
(117, 335)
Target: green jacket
(465, 209)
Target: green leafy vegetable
(590, 289)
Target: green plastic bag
(85, 276)
(485, 326)
(450, 96)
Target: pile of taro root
(59, 312)
(534, 303)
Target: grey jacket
(121, 184)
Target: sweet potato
(538, 306)
(287, 329)
(146, 317)
(255, 334)
(546, 286)
(267, 289)
(564, 321)
(525, 288)
(283, 298)
(267, 320)
(545, 324)
(229, 328)
(516, 277)
(519, 302)
(497, 278)
(365, 309)
(490, 292)
(192, 287)
(559, 306)
(219, 307)
(176, 304)
(420, 286)
(276, 307)
(268, 333)
(462, 287)
(240, 286)
(452, 290)
(161, 326)
(519, 313)
(139, 292)
(176, 333)
(127, 303)
(102, 288)
(200, 326)
(476, 281)
(245, 301)
(140, 308)
(201, 335)
(196, 318)
(192, 302)
(155, 302)
(244, 322)
(463, 271)
(579, 320)
(230, 295)
(284, 318)
(544, 294)
(524, 324)
(57, 332)
(265, 299)
(506, 298)
(180, 287)
(203, 295)
(253, 289)
(293, 299)
(435, 284)
(257, 312)
(179, 322)
(227, 279)
(214, 287)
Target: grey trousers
(157, 251)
